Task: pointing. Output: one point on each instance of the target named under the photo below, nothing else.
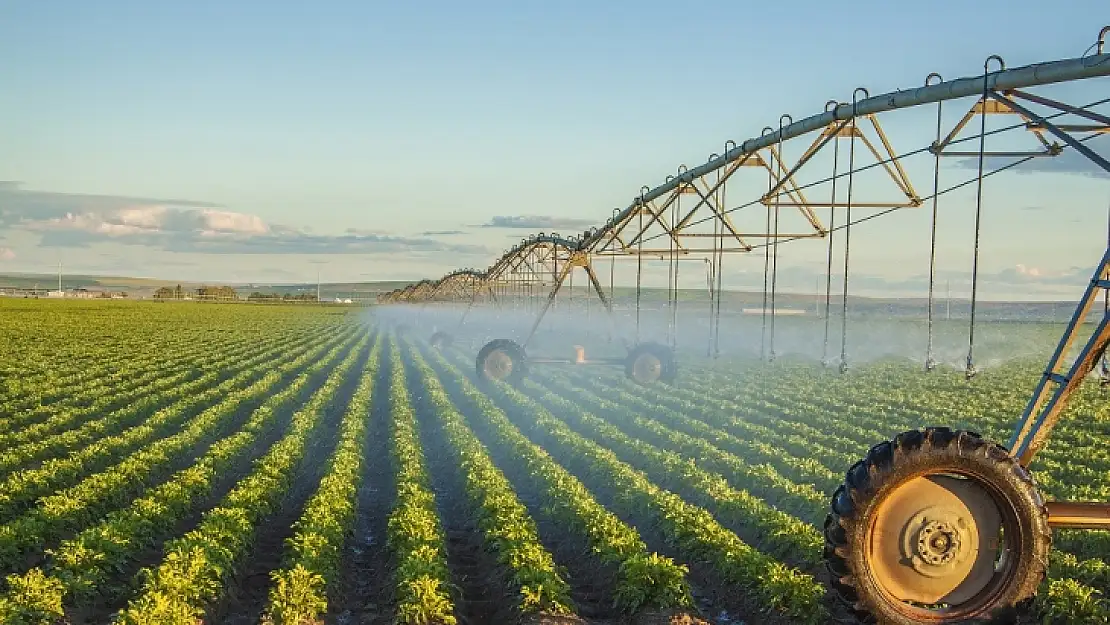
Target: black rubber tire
(441, 340)
(669, 366)
(515, 353)
(913, 454)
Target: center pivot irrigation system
(936, 525)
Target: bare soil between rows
(121, 587)
(364, 594)
(592, 583)
(248, 590)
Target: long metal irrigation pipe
(1017, 78)
(1033, 75)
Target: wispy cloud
(537, 222)
(6, 253)
(440, 233)
(64, 220)
(18, 205)
(1067, 162)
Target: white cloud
(227, 221)
(92, 223)
(6, 253)
(68, 221)
(537, 222)
(149, 217)
(211, 231)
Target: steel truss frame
(547, 262)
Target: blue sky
(145, 127)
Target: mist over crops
(740, 335)
(288, 464)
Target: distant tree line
(204, 292)
(276, 297)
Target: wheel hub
(939, 543)
(935, 540)
(498, 365)
(647, 368)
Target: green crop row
(83, 566)
(87, 339)
(42, 446)
(772, 530)
(414, 533)
(20, 489)
(115, 390)
(691, 529)
(82, 504)
(509, 531)
(197, 566)
(301, 587)
(45, 394)
(644, 580)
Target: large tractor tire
(502, 359)
(441, 340)
(648, 363)
(936, 526)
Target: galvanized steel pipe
(1017, 78)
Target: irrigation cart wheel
(650, 362)
(502, 359)
(936, 526)
(441, 340)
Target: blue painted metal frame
(1028, 439)
(1040, 415)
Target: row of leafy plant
(198, 565)
(88, 565)
(116, 368)
(302, 587)
(692, 530)
(82, 335)
(798, 484)
(117, 389)
(19, 490)
(507, 528)
(41, 446)
(643, 580)
(89, 351)
(84, 503)
(695, 469)
(414, 531)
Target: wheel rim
(647, 368)
(940, 547)
(498, 365)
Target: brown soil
(481, 584)
(248, 590)
(117, 591)
(727, 603)
(669, 617)
(591, 583)
(364, 593)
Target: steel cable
(829, 260)
(930, 362)
(907, 155)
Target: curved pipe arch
(1050, 72)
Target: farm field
(185, 463)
